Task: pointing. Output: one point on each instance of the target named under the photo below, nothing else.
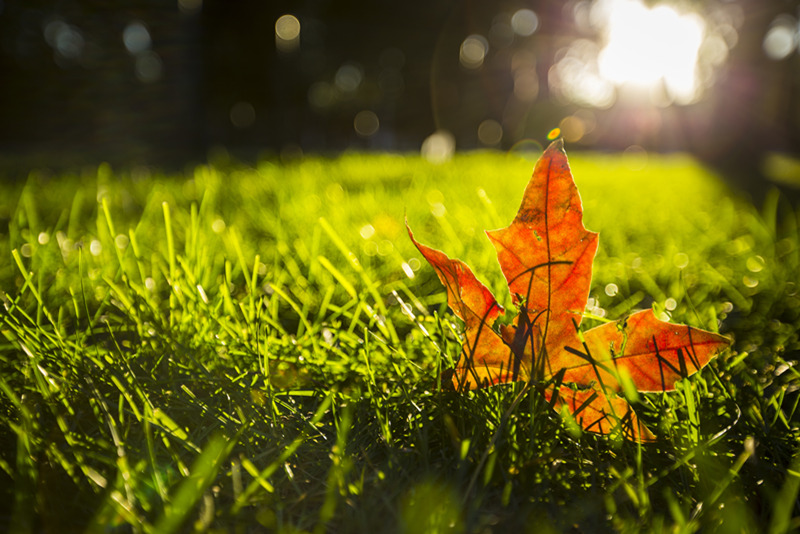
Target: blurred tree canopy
(165, 81)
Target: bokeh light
(349, 77)
(524, 22)
(662, 54)
(501, 34)
(635, 158)
(572, 129)
(528, 149)
(611, 290)
(148, 67)
(242, 114)
(366, 123)
(66, 39)
(367, 231)
(189, 6)
(136, 38)
(439, 146)
(576, 77)
(473, 51)
(490, 132)
(321, 95)
(782, 37)
(287, 33)
(526, 79)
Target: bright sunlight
(647, 47)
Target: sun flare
(646, 47)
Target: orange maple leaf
(546, 256)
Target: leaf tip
(556, 146)
(408, 229)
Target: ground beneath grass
(249, 349)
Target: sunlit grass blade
(189, 492)
(784, 517)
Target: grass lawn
(259, 349)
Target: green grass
(258, 349)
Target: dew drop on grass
(385, 247)
(749, 281)
(434, 196)
(681, 260)
(202, 293)
(727, 307)
(121, 241)
(95, 247)
(750, 445)
(327, 336)
(670, 304)
(367, 231)
(408, 270)
(370, 248)
(438, 210)
(149, 283)
(218, 226)
(611, 290)
(740, 245)
(102, 190)
(414, 263)
(335, 193)
(26, 250)
(755, 264)
(44, 238)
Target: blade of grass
(189, 492)
(785, 502)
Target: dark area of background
(209, 74)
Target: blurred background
(166, 82)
